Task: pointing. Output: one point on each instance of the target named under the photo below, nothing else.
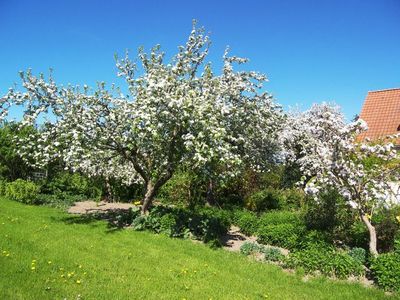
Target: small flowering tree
(329, 156)
(176, 113)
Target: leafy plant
(3, 184)
(265, 199)
(66, 183)
(280, 228)
(207, 225)
(272, 254)
(61, 200)
(247, 221)
(282, 235)
(325, 260)
(386, 271)
(359, 254)
(249, 248)
(22, 191)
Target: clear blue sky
(312, 51)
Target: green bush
(266, 199)
(314, 238)
(60, 200)
(22, 191)
(272, 254)
(386, 271)
(359, 254)
(207, 225)
(325, 260)
(183, 188)
(387, 227)
(247, 222)
(280, 217)
(67, 183)
(3, 184)
(280, 228)
(249, 248)
(168, 225)
(292, 199)
(281, 235)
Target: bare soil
(87, 207)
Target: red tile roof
(381, 111)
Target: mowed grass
(47, 254)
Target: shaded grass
(124, 264)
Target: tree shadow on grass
(116, 219)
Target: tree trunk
(372, 235)
(109, 197)
(210, 194)
(148, 197)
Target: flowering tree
(329, 156)
(176, 113)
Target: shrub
(183, 188)
(272, 254)
(357, 235)
(386, 271)
(247, 222)
(314, 238)
(358, 254)
(249, 248)
(387, 227)
(22, 191)
(207, 225)
(292, 199)
(280, 228)
(3, 184)
(280, 217)
(281, 235)
(61, 200)
(168, 225)
(67, 183)
(326, 260)
(263, 200)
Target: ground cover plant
(53, 255)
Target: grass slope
(47, 254)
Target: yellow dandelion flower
(80, 266)
(49, 262)
(398, 218)
(78, 281)
(33, 268)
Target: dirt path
(87, 207)
(234, 239)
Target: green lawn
(47, 254)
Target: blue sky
(312, 51)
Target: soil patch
(88, 207)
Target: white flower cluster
(328, 154)
(177, 113)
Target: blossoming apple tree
(177, 112)
(330, 156)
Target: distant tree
(178, 113)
